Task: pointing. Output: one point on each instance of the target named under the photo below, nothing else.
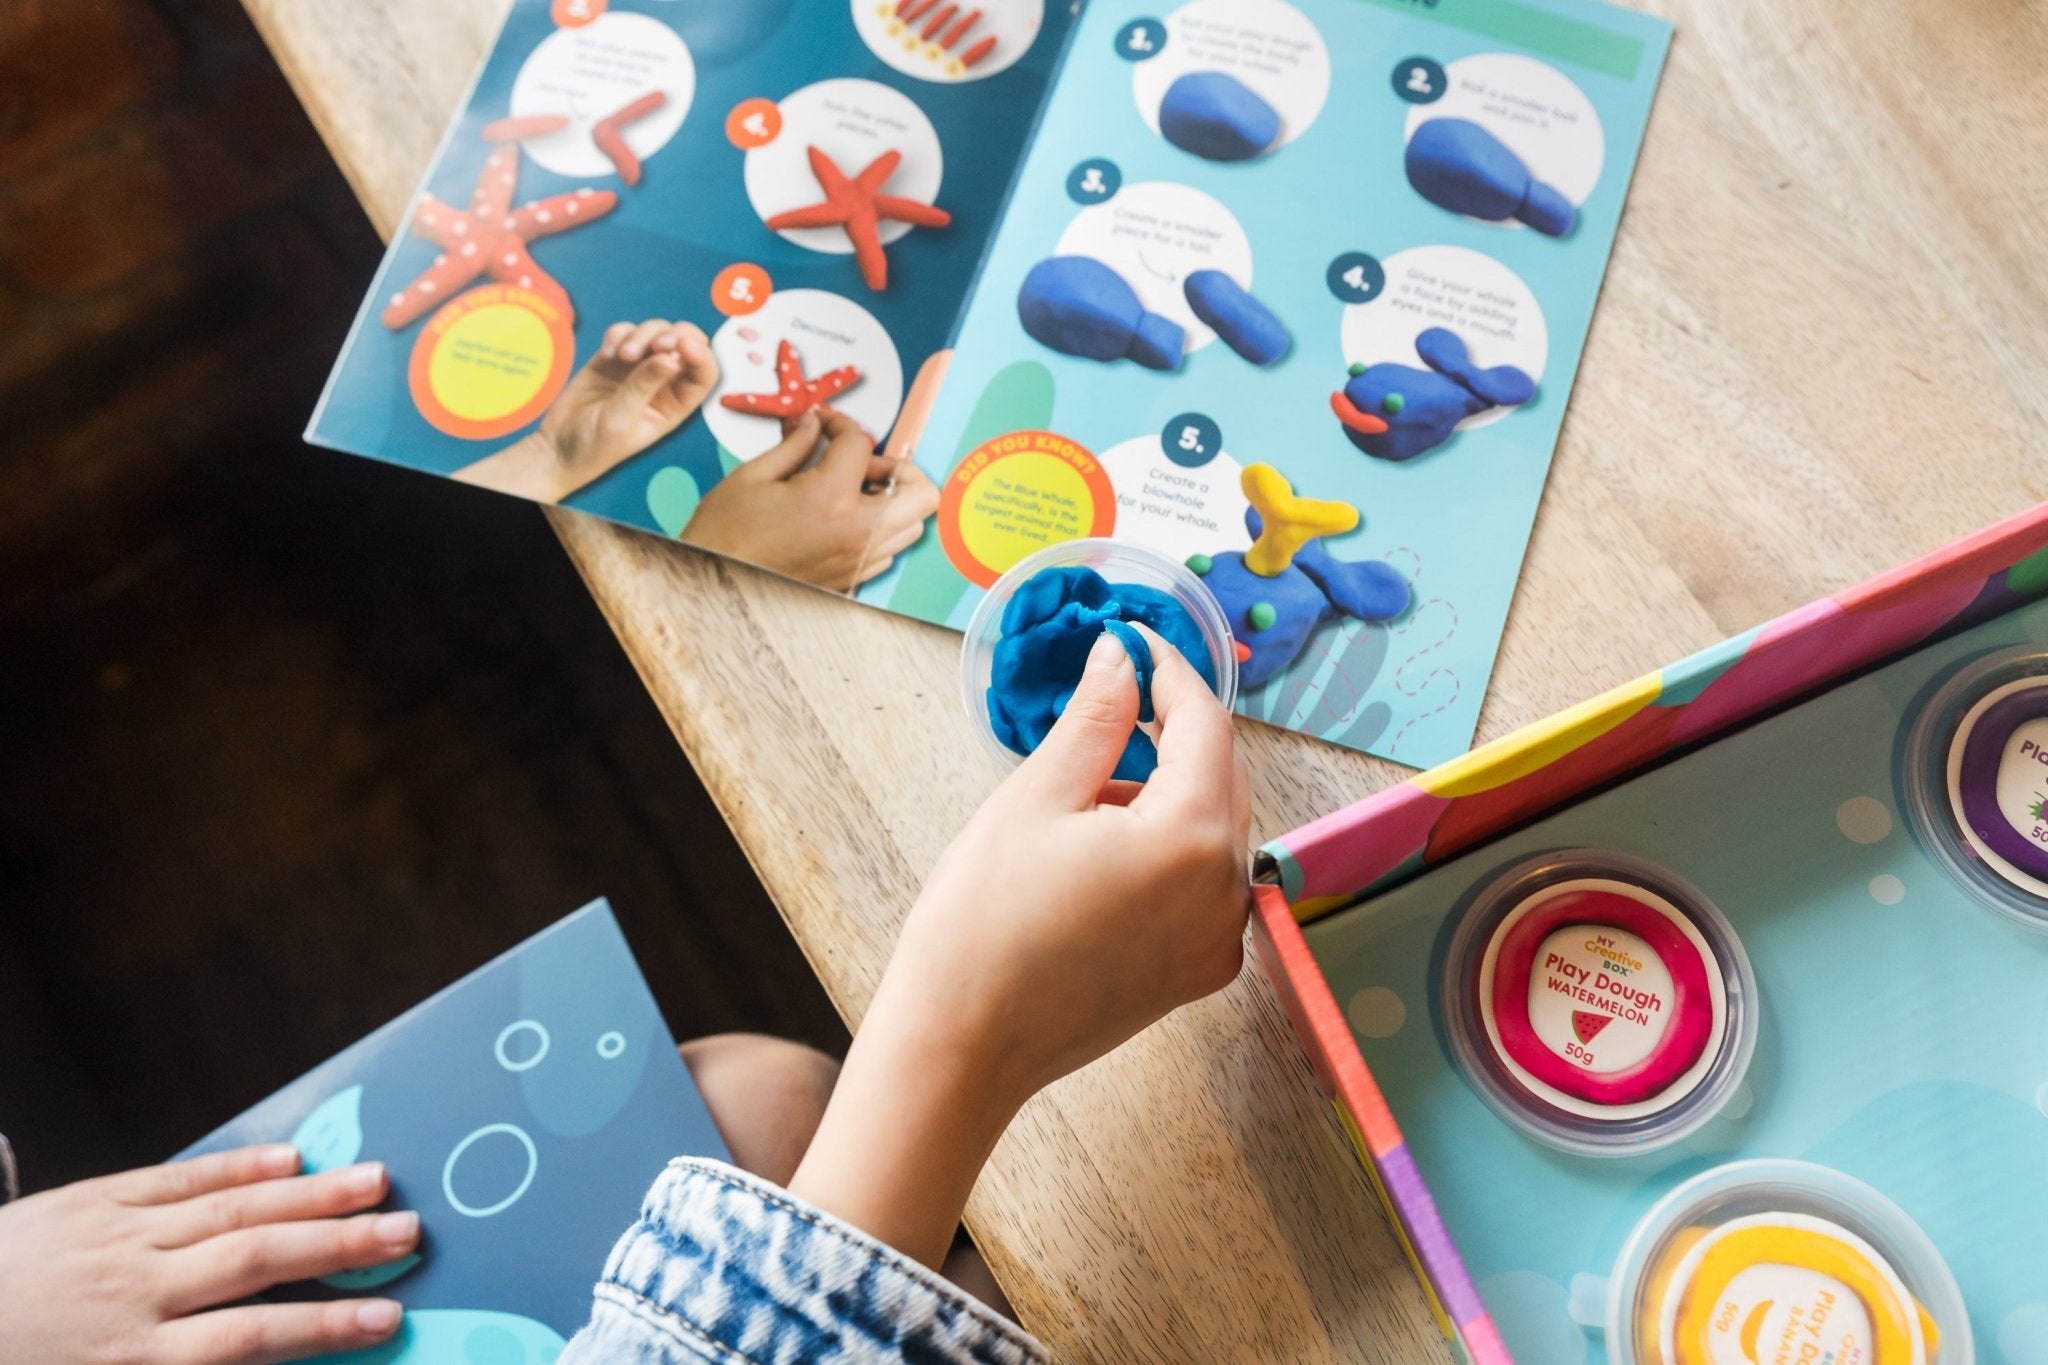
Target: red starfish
(859, 206)
(492, 237)
(795, 395)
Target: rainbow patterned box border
(1393, 836)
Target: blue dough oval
(1247, 326)
(1217, 117)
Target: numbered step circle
(1141, 40)
(1420, 80)
(1191, 440)
(1094, 180)
(1356, 277)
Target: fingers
(326, 1195)
(654, 372)
(268, 1333)
(848, 451)
(645, 339)
(203, 1175)
(1197, 748)
(699, 375)
(608, 349)
(1076, 760)
(238, 1264)
(788, 456)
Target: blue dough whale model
(1272, 618)
(1396, 412)
(1457, 165)
(1079, 306)
(1217, 117)
(1048, 629)
(1246, 325)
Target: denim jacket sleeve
(725, 1268)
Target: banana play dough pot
(1760, 1261)
(1598, 1002)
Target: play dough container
(1976, 781)
(1598, 1002)
(1763, 1261)
(1118, 562)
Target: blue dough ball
(1078, 306)
(1217, 117)
(1246, 325)
(1050, 626)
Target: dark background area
(288, 740)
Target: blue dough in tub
(1217, 117)
(1078, 306)
(1272, 618)
(1397, 412)
(1457, 165)
(1246, 325)
(1048, 629)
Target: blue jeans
(725, 1268)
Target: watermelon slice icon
(1587, 1024)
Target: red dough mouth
(1352, 416)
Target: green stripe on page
(1532, 29)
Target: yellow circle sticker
(490, 362)
(1017, 494)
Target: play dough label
(1788, 1313)
(1998, 783)
(1018, 494)
(1603, 999)
(2023, 781)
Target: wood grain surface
(1821, 349)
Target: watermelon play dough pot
(1598, 1003)
(1782, 1260)
(1976, 781)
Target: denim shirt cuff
(728, 1268)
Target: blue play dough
(1048, 629)
(1079, 306)
(1316, 588)
(1246, 325)
(1217, 117)
(1457, 165)
(1429, 404)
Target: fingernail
(1108, 652)
(364, 1178)
(378, 1315)
(279, 1158)
(397, 1228)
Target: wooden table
(1823, 347)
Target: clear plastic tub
(1597, 1002)
(1975, 781)
(1750, 1256)
(1117, 561)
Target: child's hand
(135, 1266)
(646, 380)
(1068, 915)
(815, 522)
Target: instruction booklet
(1074, 267)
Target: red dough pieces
(794, 394)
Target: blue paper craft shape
(1048, 629)
(1080, 307)
(1246, 326)
(1277, 594)
(1397, 412)
(1217, 117)
(1456, 164)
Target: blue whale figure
(1078, 306)
(1458, 165)
(1396, 412)
(1272, 618)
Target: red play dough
(1691, 1013)
(794, 394)
(859, 206)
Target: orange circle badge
(753, 123)
(577, 13)
(1013, 496)
(490, 362)
(741, 289)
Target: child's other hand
(1070, 913)
(646, 379)
(134, 1267)
(815, 522)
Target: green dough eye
(1200, 564)
(1357, 370)
(1393, 402)
(1262, 616)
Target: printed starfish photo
(859, 206)
(794, 395)
(493, 237)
